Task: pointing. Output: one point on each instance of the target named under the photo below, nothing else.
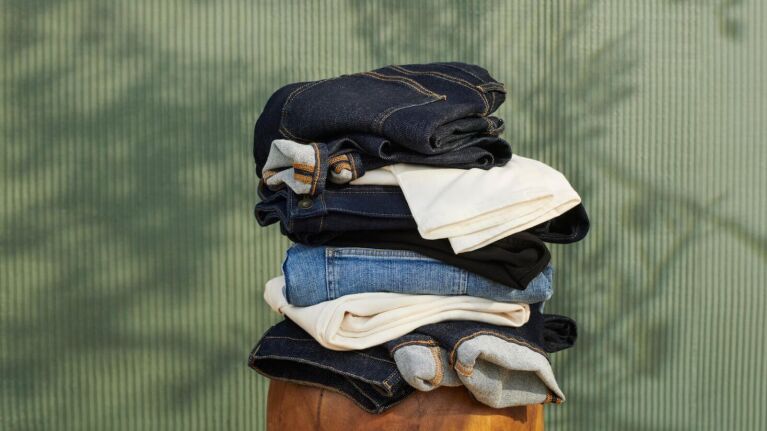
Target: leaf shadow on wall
(122, 170)
(561, 105)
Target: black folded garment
(436, 114)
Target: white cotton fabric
(363, 320)
(476, 207)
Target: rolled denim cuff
(301, 167)
(305, 168)
(499, 371)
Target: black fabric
(513, 261)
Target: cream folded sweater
(363, 320)
(475, 207)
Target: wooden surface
(295, 407)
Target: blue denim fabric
(368, 377)
(335, 210)
(409, 113)
(318, 274)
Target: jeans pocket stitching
(453, 79)
(412, 343)
(378, 123)
(468, 72)
(404, 81)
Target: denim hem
(511, 339)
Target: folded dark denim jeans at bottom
(368, 377)
(436, 113)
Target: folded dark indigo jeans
(436, 113)
(318, 220)
(368, 377)
(336, 210)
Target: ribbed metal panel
(131, 267)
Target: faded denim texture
(318, 274)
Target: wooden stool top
(295, 407)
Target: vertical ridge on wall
(131, 267)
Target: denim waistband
(306, 168)
(338, 209)
(368, 377)
(318, 274)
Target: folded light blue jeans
(318, 274)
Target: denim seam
(322, 218)
(365, 394)
(451, 79)
(507, 338)
(379, 123)
(317, 385)
(320, 365)
(281, 337)
(288, 100)
(464, 282)
(392, 378)
(373, 357)
(463, 370)
(468, 72)
(439, 373)
(405, 81)
(316, 174)
(414, 342)
(376, 252)
(357, 212)
(436, 74)
(330, 274)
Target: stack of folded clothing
(420, 257)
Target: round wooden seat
(295, 407)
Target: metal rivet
(305, 203)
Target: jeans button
(305, 203)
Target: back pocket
(358, 103)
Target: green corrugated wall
(131, 267)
